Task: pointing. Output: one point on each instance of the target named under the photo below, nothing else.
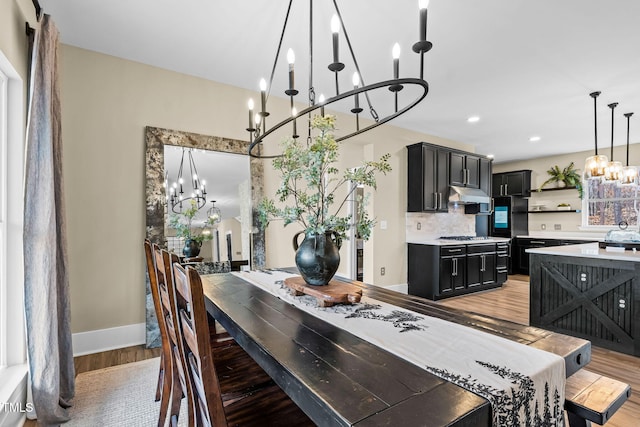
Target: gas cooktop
(463, 238)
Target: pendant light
(629, 173)
(613, 171)
(595, 165)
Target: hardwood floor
(511, 302)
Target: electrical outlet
(382, 271)
(543, 226)
(419, 226)
(557, 226)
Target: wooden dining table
(339, 379)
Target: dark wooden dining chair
(216, 404)
(163, 389)
(179, 383)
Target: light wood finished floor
(511, 302)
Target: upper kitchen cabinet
(464, 170)
(431, 177)
(514, 183)
(427, 180)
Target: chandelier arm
(275, 60)
(407, 81)
(194, 172)
(180, 171)
(355, 62)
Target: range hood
(464, 195)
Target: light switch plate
(383, 225)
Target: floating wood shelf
(556, 211)
(535, 190)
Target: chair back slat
(166, 288)
(164, 380)
(195, 325)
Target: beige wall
(107, 102)
(13, 40)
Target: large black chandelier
(258, 129)
(185, 191)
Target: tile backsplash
(424, 226)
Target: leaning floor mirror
(233, 186)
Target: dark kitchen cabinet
(464, 170)
(515, 183)
(503, 260)
(427, 180)
(438, 272)
(453, 266)
(481, 265)
(431, 171)
(521, 258)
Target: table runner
(524, 385)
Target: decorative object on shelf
(564, 207)
(613, 171)
(258, 129)
(568, 176)
(312, 185)
(182, 223)
(176, 196)
(595, 165)
(629, 173)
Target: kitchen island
(588, 292)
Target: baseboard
(108, 339)
(13, 395)
(403, 288)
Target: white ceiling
(525, 67)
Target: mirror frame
(156, 139)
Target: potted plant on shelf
(313, 193)
(568, 176)
(183, 224)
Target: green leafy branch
(310, 180)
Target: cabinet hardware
(506, 189)
(439, 200)
(435, 201)
(536, 242)
(455, 250)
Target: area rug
(119, 396)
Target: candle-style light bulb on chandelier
(182, 191)
(258, 128)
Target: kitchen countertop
(588, 250)
(444, 242)
(565, 236)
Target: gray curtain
(45, 242)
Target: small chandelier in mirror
(214, 216)
(179, 192)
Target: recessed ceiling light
(491, 156)
(534, 139)
(473, 119)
